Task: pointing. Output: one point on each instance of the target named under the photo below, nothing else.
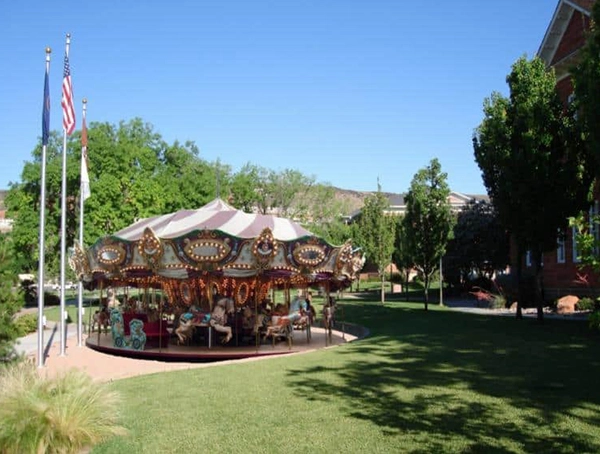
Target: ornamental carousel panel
(216, 244)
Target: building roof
(397, 202)
(557, 51)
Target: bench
(155, 337)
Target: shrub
(488, 299)
(594, 321)
(499, 302)
(586, 304)
(26, 324)
(63, 414)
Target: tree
(535, 173)
(428, 220)
(587, 90)
(133, 174)
(244, 186)
(10, 303)
(401, 256)
(376, 233)
(480, 244)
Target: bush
(63, 414)
(594, 321)
(26, 324)
(499, 302)
(488, 299)
(586, 304)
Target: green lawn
(52, 313)
(439, 381)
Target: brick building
(559, 49)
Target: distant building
(397, 203)
(5, 223)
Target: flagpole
(63, 219)
(81, 205)
(42, 247)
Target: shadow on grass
(480, 383)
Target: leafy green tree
(428, 221)
(376, 233)
(133, 174)
(335, 231)
(535, 173)
(10, 303)
(480, 244)
(401, 256)
(587, 89)
(244, 185)
(187, 181)
(283, 192)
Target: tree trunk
(382, 288)
(441, 301)
(407, 297)
(520, 293)
(539, 286)
(426, 291)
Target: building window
(594, 227)
(570, 100)
(560, 248)
(576, 258)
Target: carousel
(214, 283)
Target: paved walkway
(471, 305)
(106, 367)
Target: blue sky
(346, 91)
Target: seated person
(197, 315)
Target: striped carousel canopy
(215, 241)
(216, 215)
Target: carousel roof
(215, 240)
(216, 215)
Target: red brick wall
(586, 4)
(565, 88)
(573, 38)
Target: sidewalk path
(103, 366)
(471, 306)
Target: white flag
(85, 177)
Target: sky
(350, 92)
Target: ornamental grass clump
(62, 414)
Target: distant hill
(353, 200)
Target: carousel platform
(201, 351)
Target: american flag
(67, 99)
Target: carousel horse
(138, 336)
(282, 323)
(185, 330)
(297, 314)
(218, 317)
(100, 319)
(117, 328)
(329, 317)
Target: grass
(436, 381)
